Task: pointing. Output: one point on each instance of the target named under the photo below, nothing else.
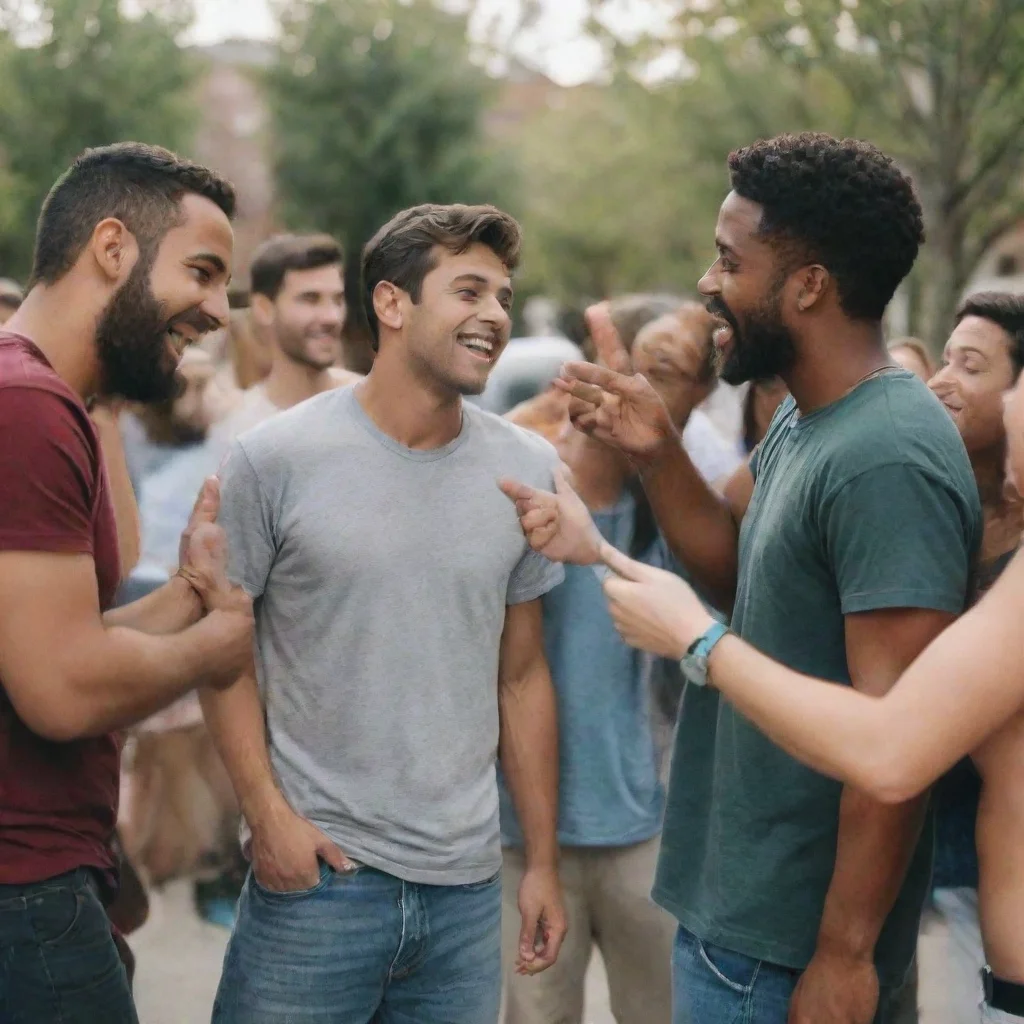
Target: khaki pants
(608, 903)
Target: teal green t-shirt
(868, 503)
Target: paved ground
(179, 959)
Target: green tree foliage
(376, 106)
(78, 73)
(939, 84)
(625, 179)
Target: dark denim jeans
(712, 985)
(58, 961)
(364, 946)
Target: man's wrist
(261, 805)
(545, 862)
(185, 592)
(848, 943)
(649, 463)
(691, 630)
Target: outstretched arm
(963, 687)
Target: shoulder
(38, 408)
(276, 440)
(901, 422)
(510, 441)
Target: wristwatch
(694, 663)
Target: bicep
(522, 643)
(738, 490)
(881, 644)
(49, 612)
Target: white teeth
(478, 344)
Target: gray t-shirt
(381, 577)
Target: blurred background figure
(177, 797)
(10, 298)
(912, 355)
(524, 370)
(761, 400)
(293, 325)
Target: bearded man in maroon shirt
(132, 260)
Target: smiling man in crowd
(842, 549)
(133, 253)
(400, 649)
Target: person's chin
(471, 388)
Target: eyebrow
(724, 247)
(504, 291)
(971, 350)
(213, 259)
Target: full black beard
(763, 347)
(131, 341)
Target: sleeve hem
(45, 542)
(891, 599)
(539, 589)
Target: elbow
(57, 726)
(889, 779)
(61, 719)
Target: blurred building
(1002, 269)
(234, 139)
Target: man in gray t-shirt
(399, 649)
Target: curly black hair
(138, 184)
(1004, 310)
(841, 203)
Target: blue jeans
(712, 985)
(58, 961)
(364, 947)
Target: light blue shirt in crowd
(610, 792)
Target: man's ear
(387, 304)
(812, 283)
(112, 249)
(262, 309)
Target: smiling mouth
(177, 342)
(480, 346)
(722, 333)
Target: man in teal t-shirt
(843, 549)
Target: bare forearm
(696, 521)
(170, 609)
(829, 727)
(235, 719)
(528, 750)
(875, 846)
(126, 675)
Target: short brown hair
(404, 250)
(277, 255)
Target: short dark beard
(763, 347)
(292, 345)
(132, 344)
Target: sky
(558, 43)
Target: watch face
(695, 668)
